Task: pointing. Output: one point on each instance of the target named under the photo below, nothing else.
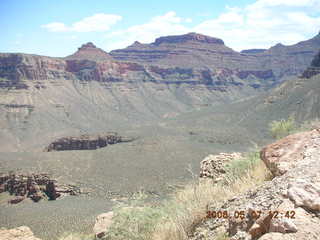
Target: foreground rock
(34, 186)
(86, 142)
(19, 233)
(288, 207)
(286, 153)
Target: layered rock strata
(86, 142)
(34, 186)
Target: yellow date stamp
(255, 214)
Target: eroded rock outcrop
(34, 186)
(86, 142)
(19, 233)
(188, 38)
(314, 67)
(287, 207)
(90, 52)
(189, 58)
(213, 167)
(196, 51)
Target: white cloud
(259, 25)
(265, 23)
(167, 24)
(99, 22)
(288, 3)
(56, 27)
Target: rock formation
(287, 207)
(190, 37)
(314, 68)
(89, 51)
(214, 166)
(86, 142)
(198, 51)
(253, 51)
(193, 57)
(19, 233)
(34, 186)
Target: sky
(58, 27)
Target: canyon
(178, 99)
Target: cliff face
(85, 142)
(190, 58)
(199, 51)
(89, 51)
(92, 91)
(314, 68)
(16, 67)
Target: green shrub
(239, 167)
(282, 128)
(135, 223)
(177, 217)
(135, 220)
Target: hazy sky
(58, 27)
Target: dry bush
(188, 206)
(176, 218)
(76, 236)
(282, 128)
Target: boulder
(213, 166)
(305, 193)
(283, 155)
(16, 200)
(288, 205)
(275, 236)
(102, 223)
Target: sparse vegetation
(76, 236)
(310, 125)
(194, 198)
(135, 220)
(283, 128)
(238, 167)
(177, 217)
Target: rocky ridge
(189, 58)
(89, 51)
(285, 208)
(86, 142)
(34, 186)
(199, 51)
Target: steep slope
(89, 51)
(298, 97)
(42, 94)
(314, 68)
(290, 60)
(177, 115)
(195, 50)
